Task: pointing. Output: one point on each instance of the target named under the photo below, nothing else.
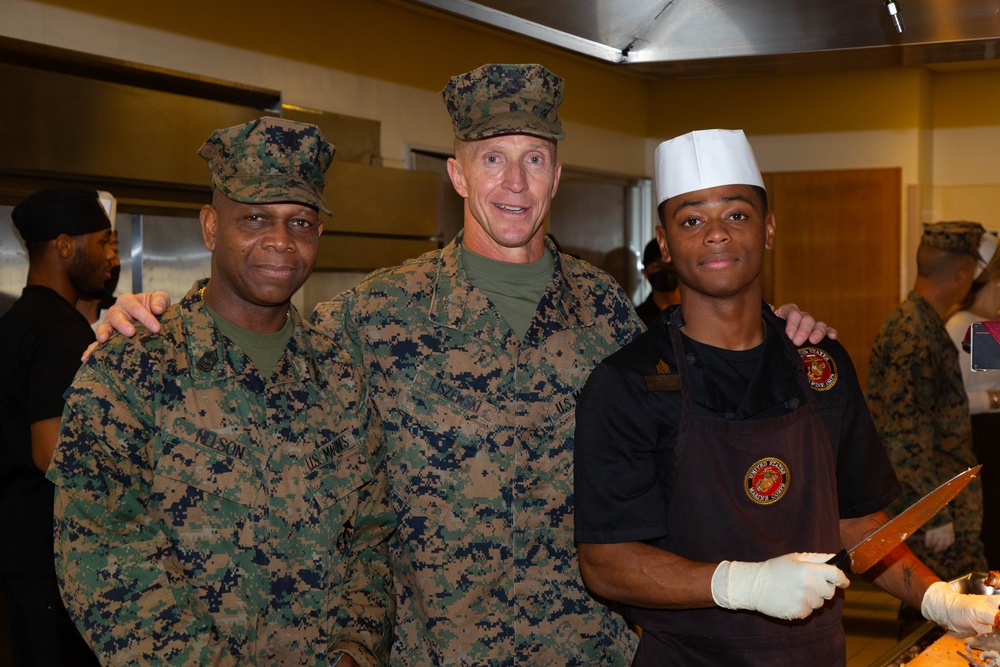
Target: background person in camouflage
(918, 402)
(473, 356)
(221, 495)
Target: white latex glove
(940, 538)
(964, 614)
(788, 587)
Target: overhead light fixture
(893, 10)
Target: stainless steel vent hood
(670, 38)
(134, 130)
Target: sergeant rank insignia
(664, 380)
(766, 481)
(820, 368)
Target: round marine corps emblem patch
(767, 481)
(820, 368)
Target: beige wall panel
(980, 203)
(967, 155)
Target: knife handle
(841, 560)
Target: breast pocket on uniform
(336, 470)
(215, 467)
(442, 431)
(447, 411)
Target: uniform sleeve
(905, 421)
(366, 603)
(120, 581)
(618, 497)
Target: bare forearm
(44, 435)
(901, 573)
(644, 576)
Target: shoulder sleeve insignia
(820, 368)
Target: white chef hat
(110, 205)
(987, 251)
(704, 159)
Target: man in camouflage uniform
(221, 494)
(474, 356)
(918, 402)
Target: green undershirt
(264, 349)
(515, 289)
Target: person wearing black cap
(68, 238)
(662, 280)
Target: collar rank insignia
(766, 481)
(820, 368)
(664, 380)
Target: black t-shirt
(627, 424)
(41, 339)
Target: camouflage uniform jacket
(917, 401)
(205, 516)
(479, 432)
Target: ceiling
(678, 38)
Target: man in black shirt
(68, 238)
(719, 466)
(662, 281)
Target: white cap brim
(987, 249)
(110, 205)
(704, 159)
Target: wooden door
(837, 250)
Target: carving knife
(876, 546)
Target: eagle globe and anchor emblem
(767, 480)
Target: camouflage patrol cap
(505, 99)
(270, 160)
(961, 236)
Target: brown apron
(749, 491)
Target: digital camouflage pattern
(505, 99)
(479, 430)
(270, 160)
(205, 515)
(918, 404)
(961, 236)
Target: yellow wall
(385, 40)
(386, 60)
(790, 104)
(376, 59)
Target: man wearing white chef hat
(718, 467)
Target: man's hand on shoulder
(801, 326)
(143, 308)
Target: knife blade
(877, 545)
